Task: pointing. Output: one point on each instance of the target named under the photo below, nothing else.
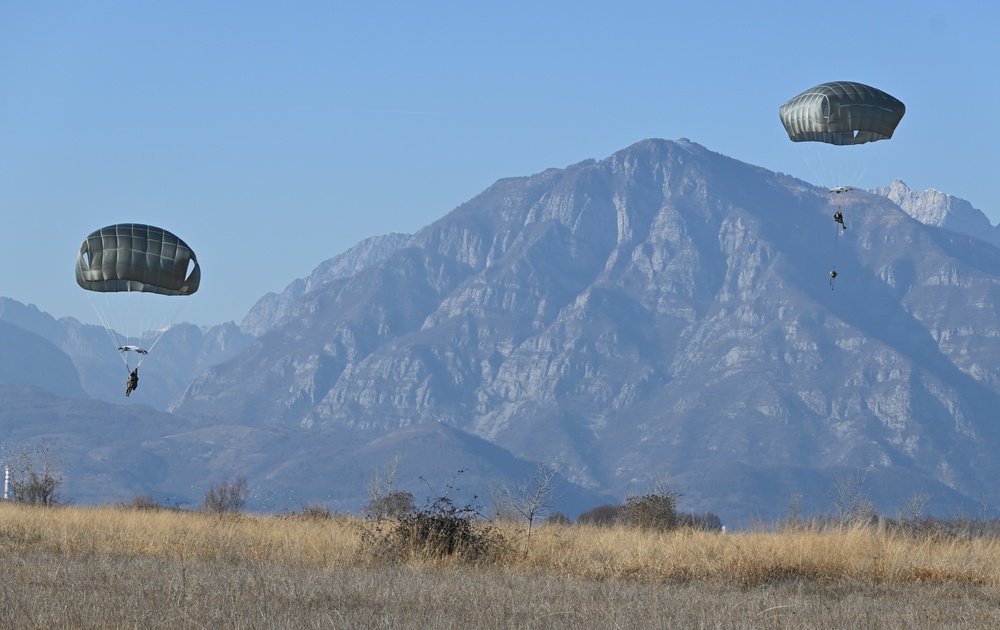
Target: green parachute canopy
(137, 257)
(841, 113)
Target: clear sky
(274, 135)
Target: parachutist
(839, 218)
(132, 383)
(125, 261)
(833, 276)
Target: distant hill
(28, 359)
(108, 453)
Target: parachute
(131, 265)
(136, 257)
(841, 113)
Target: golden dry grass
(112, 567)
(596, 553)
(752, 558)
(178, 534)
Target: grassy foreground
(114, 568)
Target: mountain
(273, 307)
(108, 453)
(28, 359)
(183, 352)
(933, 207)
(666, 309)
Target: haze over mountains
(666, 310)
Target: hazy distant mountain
(667, 309)
(183, 352)
(108, 453)
(28, 359)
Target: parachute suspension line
(139, 322)
(831, 169)
(840, 228)
(833, 269)
(131, 316)
(103, 316)
(812, 157)
(156, 328)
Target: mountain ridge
(664, 310)
(558, 314)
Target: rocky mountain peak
(666, 305)
(936, 208)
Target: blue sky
(274, 135)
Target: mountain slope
(664, 309)
(28, 359)
(273, 307)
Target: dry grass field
(70, 567)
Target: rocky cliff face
(935, 208)
(666, 308)
(274, 307)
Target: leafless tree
(226, 497)
(914, 507)
(529, 498)
(850, 496)
(794, 518)
(384, 501)
(35, 476)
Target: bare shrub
(393, 505)
(601, 516)
(655, 510)
(529, 498)
(140, 502)
(438, 530)
(794, 519)
(556, 518)
(850, 496)
(707, 522)
(384, 501)
(650, 511)
(226, 497)
(314, 512)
